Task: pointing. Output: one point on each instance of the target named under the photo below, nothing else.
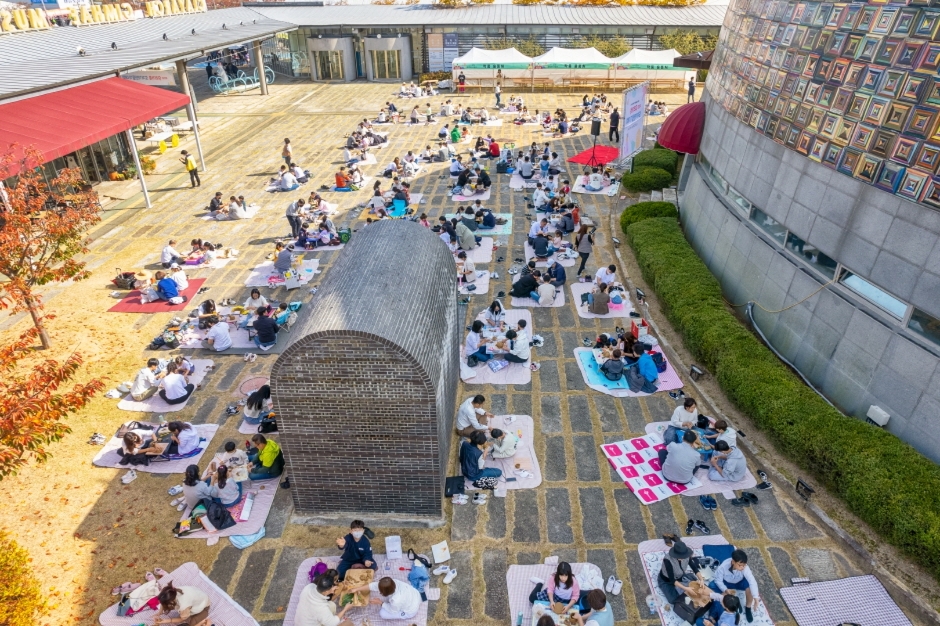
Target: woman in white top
(258, 406)
(466, 268)
(399, 599)
(685, 416)
(191, 603)
(175, 388)
(185, 438)
(494, 314)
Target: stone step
(656, 196)
(644, 197)
(671, 195)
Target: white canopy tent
(559, 63)
(649, 64)
(480, 63)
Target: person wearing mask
(727, 464)
(734, 573)
(473, 453)
(174, 387)
(504, 444)
(399, 599)
(471, 416)
(584, 245)
(265, 329)
(217, 338)
(357, 550)
(316, 606)
(680, 460)
(190, 603)
(170, 255)
(265, 460)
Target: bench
(241, 83)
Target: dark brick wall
(365, 391)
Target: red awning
(63, 121)
(682, 130)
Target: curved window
(810, 254)
(925, 325)
(873, 294)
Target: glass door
(329, 65)
(386, 64)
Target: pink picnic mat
(482, 284)
(370, 613)
(156, 404)
(637, 463)
(482, 253)
(108, 455)
(223, 610)
(653, 552)
(523, 427)
(519, 585)
(265, 273)
(854, 600)
(563, 261)
(479, 196)
(656, 430)
(514, 373)
(529, 302)
(131, 302)
(668, 380)
(264, 491)
(616, 310)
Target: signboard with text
(633, 116)
(85, 14)
(159, 78)
(450, 50)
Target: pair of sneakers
(708, 503)
(698, 525)
(449, 573)
(460, 498)
(614, 585)
(479, 498)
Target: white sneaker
(523, 473)
(617, 587)
(175, 501)
(609, 587)
(535, 580)
(130, 476)
(440, 570)
(451, 575)
(181, 507)
(479, 498)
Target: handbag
(453, 485)
(267, 425)
(702, 422)
(124, 605)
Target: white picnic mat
(529, 302)
(223, 610)
(519, 586)
(610, 190)
(500, 229)
(668, 380)
(192, 337)
(518, 182)
(108, 455)
(636, 461)
(251, 211)
(264, 491)
(325, 248)
(482, 253)
(360, 615)
(563, 261)
(855, 600)
(156, 404)
(482, 284)
(477, 196)
(512, 374)
(656, 429)
(616, 310)
(214, 264)
(525, 459)
(265, 273)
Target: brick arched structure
(365, 391)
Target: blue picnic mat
(504, 229)
(398, 212)
(595, 376)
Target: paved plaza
(581, 512)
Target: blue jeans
(254, 421)
(244, 323)
(490, 472)
(590, 298)
(534, 295)
(481, 355)
(263, 345)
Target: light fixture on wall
(695, 372)
(379, 36)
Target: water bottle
(651, 603)
(519, 619)
(161, 419)
(388, 567)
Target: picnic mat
(251, 211)
(261, 275)
(602, 155)
(518, 182)
(512, 374)
(530, 254)
(652, 554)
(529, 302)
(857, 600)
(370, 612)
(326, 248)
(477, 196)
(656, 429)
(636, 461)
(482, 253)
(525, 459)
(222, 608)
(610, 190)
(156, 404)
(247, 429)
(499, 229)
(192, 337)
(616, 310)
(519, 585)
(214, 264)
(596, 380)
(108, 456)
(131, 302)
(264, 491)
(482, 284)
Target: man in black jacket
(525, 285)
(614, 126)
(265, 329)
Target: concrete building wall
(854, 352)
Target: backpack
(472, 361)
(659, 361)
(124, 280)
(267, 425)
(217, 515)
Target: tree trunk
(37, 322)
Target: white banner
(161, 78)
(633, 119)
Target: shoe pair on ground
(708, 503)
(746, 499)
(448, 572)
(698, 525)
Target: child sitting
(357, 551)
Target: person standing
(499, 94)
(461, 81)
(614, 126)
(294, 209)
(691, 90)
(190, 163)
(287, 152)
(584, 244)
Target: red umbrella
(682, 130)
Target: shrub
(21, 601)
(646, 210)
(658, 157)
(646, 179)
(883, 480)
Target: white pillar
(259, 63)
(191, 113)
(132, 144)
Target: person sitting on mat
(561, 588)
(727, 464)
(516, 351)
(555, 274)
(525, 169)
(472, 417)
(217, 338)
(399, 599)
(527, 283)
(647, 369)
(684, 417)
(466, 270)
(598, 302)
(678, 567)
(316, 606)
(195, 489)
(475, 344)
(614, 366)
(231, 457)
(265, 460)
(722, 432)
(228, 491)
(545, 293)
(540, 246)
(258, 405)
(504, 444)
(134, 449)
(184, 438)
(473, 458)
(191, 603)
(595, 181)
(146, 383)
(601, 614)
(357, 550)
(680, 460)
(175, 389)
(724, 611)
(537, 227)
(734, 573)
(494, 315)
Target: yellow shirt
(269, 453)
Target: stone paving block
(848, 568)
(635, 420)
(528, 558)
(542, 317)
(230, 373)
(784, 564)
(280, 512)
(579, 414)
(817, 564)
(664, 521)
(496, 520)
(558, 514)
(573, 379)
(610, 416)
(640, 587)
(554, 465)
(278, 595)
(225, 565)
(693, 510)
(660, 407)
(631, 516)
(607, 561)
(566, 315)
(253, 577)
(496, 603)
(496, 404)
(567, 554)
(432, 611)
(460, 590)
(464, 521)
(569, 341)
(522, 405)
(550, 348)
(525, 521)
(585, 457)
(737, 519)
(207, 412)
(548, 377)
(768, 589)
(594, 524)
(772, 518)
(804, 528)
(551, 414)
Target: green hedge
(646, 179)
(883, 480)
(645, 210)
(658, 157)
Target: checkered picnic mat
(860, 600)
